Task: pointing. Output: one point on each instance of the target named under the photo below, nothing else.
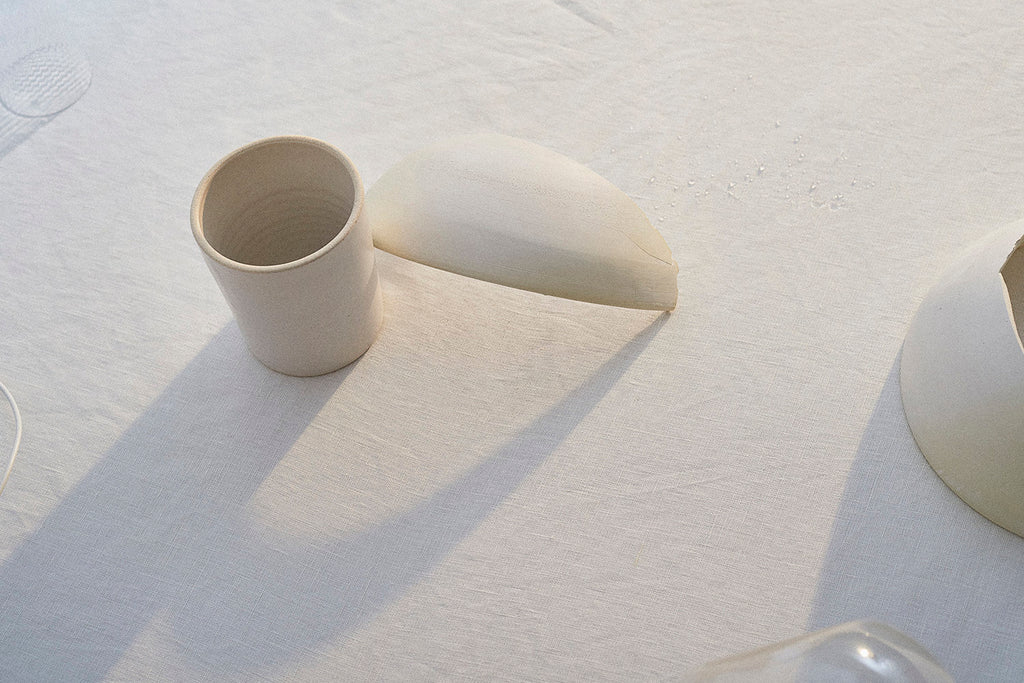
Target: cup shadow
(140, 531)
(159, 526)
(907, 551)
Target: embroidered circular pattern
(45, 81)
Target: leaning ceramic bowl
(962, 377)
(514, 213)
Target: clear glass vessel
(853, 652)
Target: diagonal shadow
(15, 129)
(315, 594)
(159, 526)
(136, 529)
(906, 551)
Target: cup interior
(277, 201)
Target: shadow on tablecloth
(159, 527)
(905, 550)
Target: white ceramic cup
(281, 225)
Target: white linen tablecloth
(506, 486)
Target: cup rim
(199, 201)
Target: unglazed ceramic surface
(512, 212)
(962, 377)
(282, 228)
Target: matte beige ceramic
(962, 378)
(282, 228)
(511, 212)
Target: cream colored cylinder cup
(282, 228)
